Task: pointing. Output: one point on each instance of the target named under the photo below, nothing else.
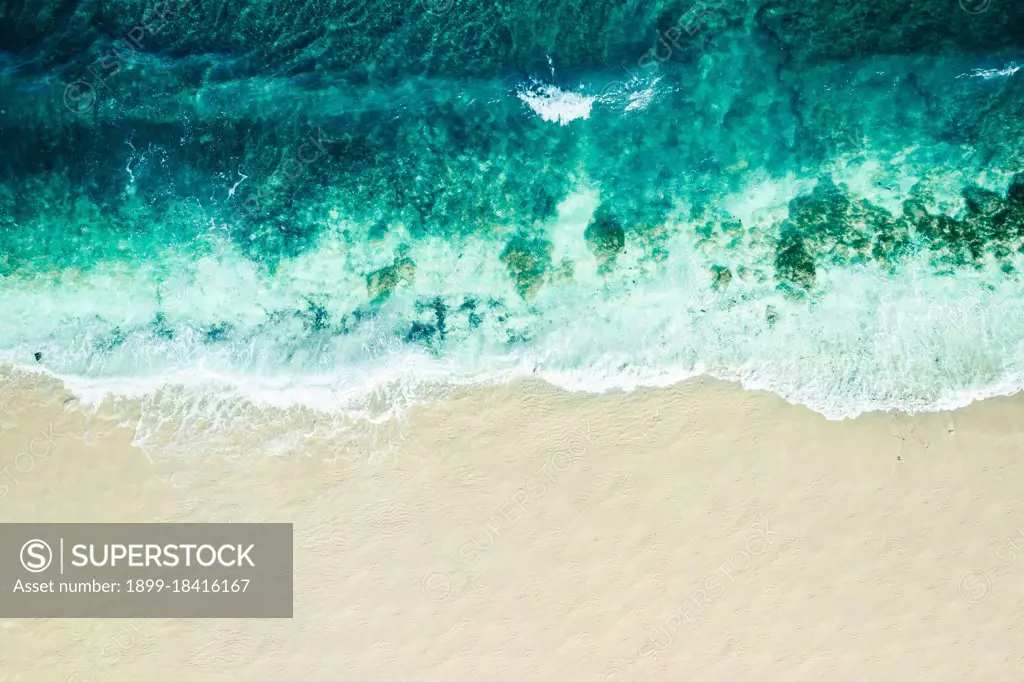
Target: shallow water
(340, 204)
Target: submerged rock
(380, 284)
(721, 277)
(982, 202)
(605, 238)
(822, 211)
(794, 265)
(915, 210)
(1015, 195)
(528, 260)
(828, 228)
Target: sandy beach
(524, 533)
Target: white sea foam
(556, 105)
(914, 342)
(988, 74)
(872, 340)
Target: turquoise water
(325, 203)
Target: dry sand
(521, 533)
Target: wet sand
(523, 533)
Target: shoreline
(352, 395)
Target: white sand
(699, 533)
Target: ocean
(348, 206)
